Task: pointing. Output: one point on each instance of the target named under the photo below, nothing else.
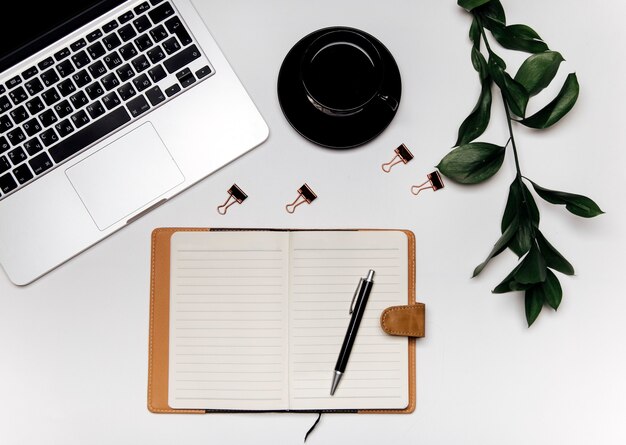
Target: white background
(74, 345)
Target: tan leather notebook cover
(158, 360)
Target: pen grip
(353, 326)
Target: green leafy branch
(474, 162)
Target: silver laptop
(106, 111)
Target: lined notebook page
(325, 270)
(228, 320)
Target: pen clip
(356, 292)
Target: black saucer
(338, 132)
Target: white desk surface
(74, 345)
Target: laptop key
(81, 59)
(171, 45)
(155, 2)
(35, 106)
(13, 82)
(80, 43)
(4, 164)
(95, 35)
(110, 81)
(140, 63)
(95, 109)
(17, 156)
(173, 90)
(186, 56)
(32, 127)
(141, 8)
(126, 91)
(160, 13)
(34, 86)
(30, 72)
(49, 137)
(203, 72)
(40, 163)
(80, 119)
(5, 123)
(125, 72)
(112, 60)
(186, 77)
(157, 73)
(81, 78)
(142, 24)
(138, 106)
(127, 32)
(110, 26)
(155, 95)
(111, 100)
(49, 77)
(4, 144)
(18, 95)
(141, 82)
(65, 68)
(47, 118)
(94, 90)
(46, 63)
(111, 41)
(126, 17)
(156, 54)
(159, 33)
(33, 146)
(23, 173)
(79, 100)
(66, 87)
(176, 27)
(143, 42)
(64, 127)
(16, 136)
(7, 183)
(89, 134)
(4, 104)
(96, 50)
(128, 51)
(63, 109)
(62, 54)
(97, 69)
(19, 114)
(51, 96)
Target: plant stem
(508, 120)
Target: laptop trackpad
(124, 176)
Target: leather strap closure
(406, 320)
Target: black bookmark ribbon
(319, 416)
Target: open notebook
(256, 320)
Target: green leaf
(471, 4)
(500, 245)
(521, 205)
(472, 163)
(551, 290)
(480, 65)
(538, 70)
(559, 107)
(509, 284)
(533, 300)
(554, 259)
(474, 33)
(492, 14)
(576, 204)
(515, 94)
(532, 268)
(519, 38)
(476, 123)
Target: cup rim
(378, 64)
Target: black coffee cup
(342, 73)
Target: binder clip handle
(305, 194)
(235, 195)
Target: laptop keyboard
(77, 95)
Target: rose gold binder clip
(235, 195)
(305, 194)
(434, 182)
(402, 155)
